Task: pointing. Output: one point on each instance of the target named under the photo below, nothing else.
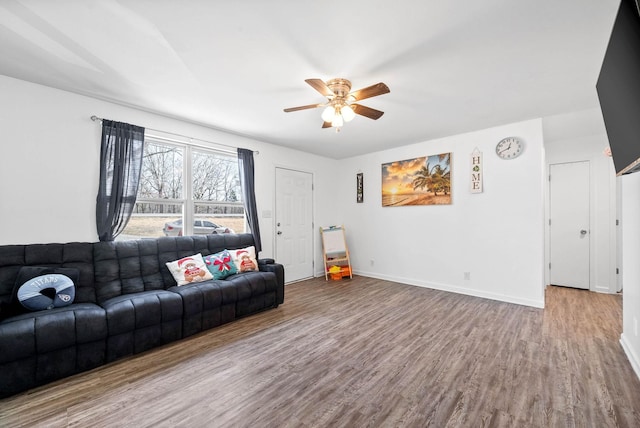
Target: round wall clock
(509, 148)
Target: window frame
(187, 202)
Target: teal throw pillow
(220, 264)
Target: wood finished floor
(367, 353)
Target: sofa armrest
(278, 269)
(265, 262)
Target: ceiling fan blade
(369, 112)
(370, 91)
(290, 109)
(326, 125)
(321, 87)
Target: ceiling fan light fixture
(337, 121)
(328, 114)
(347, 113)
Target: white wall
(581, 136)
(49, 183)
(630, 219)
(497, 236)
(49, 166)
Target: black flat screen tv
(618, 89)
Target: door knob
(279, 232)
(583, 232)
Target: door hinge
(549, 177)
(549, 222)
(617, 222)
(617, 271)
(549, 265)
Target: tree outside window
(180, 182)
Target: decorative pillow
(14, 307)
(47, 292)
(221, 265)
(245, 259)
(189, 269)
(28, 272)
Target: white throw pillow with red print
(190, 269)
(245, 259)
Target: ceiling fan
(339, 107)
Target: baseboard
(455, 289)
(631, 356)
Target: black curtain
(247, 183)
(120, 166)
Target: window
(186, 190)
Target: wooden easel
(335, 251)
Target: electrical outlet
(372, 262)
(467, 275)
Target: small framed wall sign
(359, 187)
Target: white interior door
(569, 235)
(294, 223)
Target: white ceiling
(452, 66)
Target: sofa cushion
(256, 291)
(124, 267)
(44, 331)
(189, 269)
(205, 305)
(221, 265)
(140, 321)
(228, 241)
(38, 347)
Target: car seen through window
(200, 227)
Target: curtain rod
(99, 119)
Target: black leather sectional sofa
(126, 302)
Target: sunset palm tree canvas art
(420, 181)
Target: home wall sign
(420, 181)
(476, 171)
(359, 188)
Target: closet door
(569, 228)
